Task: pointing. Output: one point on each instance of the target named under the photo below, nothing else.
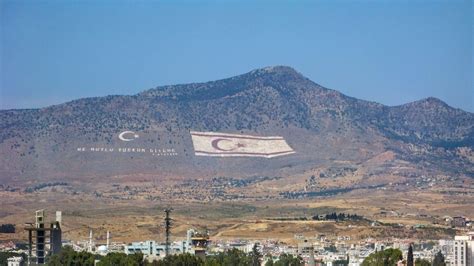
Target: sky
(391, 52)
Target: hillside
(327, 129)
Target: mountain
(327, 129)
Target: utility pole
(167, 230)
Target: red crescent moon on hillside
(215, 144)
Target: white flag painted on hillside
(236, 145)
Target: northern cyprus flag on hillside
(236, 145)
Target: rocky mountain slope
(327, 129)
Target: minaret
(108, 239)
(90, 240)
(59, 216)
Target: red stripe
(254, 153)
(237, 137)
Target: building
(103, 249)
(15, 261)
(40, 237)
(40, 243)
(458, 221)
(463, 250)
(197, 243)
(306, 251)
(55, 235)
(153, 249)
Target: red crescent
(215, 144)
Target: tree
(121, 259)
(289, 260)
(230, 257)
(68, 256)
(7, 228)
(422, 262)
(340, 263)
(4, 255)
(331, 248)
(439, 259)
(387, 257)
(269, 262)
(256, 256)
(410, 256)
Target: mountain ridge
(271, 100)
(289, 69)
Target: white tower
(59, 217)
(90, 240)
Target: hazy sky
(392, 52)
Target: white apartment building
(463, 250)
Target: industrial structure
(167, 230)
(41, 244)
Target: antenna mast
(167, 230)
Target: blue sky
(391, 52)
